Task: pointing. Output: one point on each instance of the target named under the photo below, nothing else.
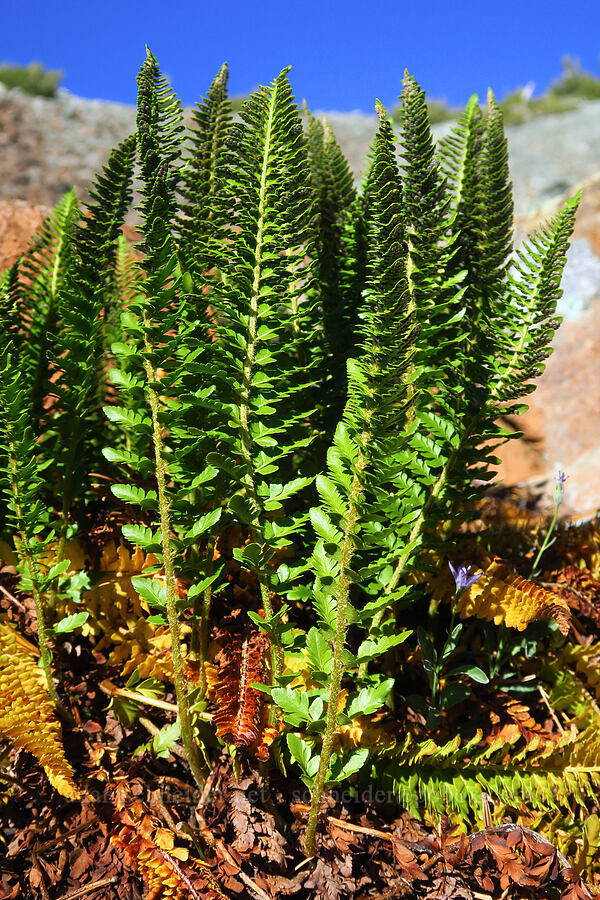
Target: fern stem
(179, 680)
(40, 608)
(67, 491)
(34, 575)
(337, 671)
(202, 605)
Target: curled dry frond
(239, 714)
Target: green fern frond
(527, 322)
(377, 393)
(433, 280)
(211, 121)
(380, 397)
(265, 257)
(78, 382)
(41, 273)
(539, 776)
(159, 143)
(497, 236)
(341, 260)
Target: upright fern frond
(259, 357)
(433, 281)
(78, 377)
(211, 121)
(379, 395)
(41, 273)
(475, 158)
(159, 140)
(151, 327)
(461, 160)
(340, 261)
(497, 236)
(526, 324)
(21, 484)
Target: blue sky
(343, 54)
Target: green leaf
(165, 739)
(342, 767)
(302, 753)
(324, 527)
(204, 523)
(58, 569)
(453, 693)
(473, 672)
(151, 590)
(243, 509)
(371, 649)
(320, 654)
(370, 699)
(129, 493)
(142, 537)
(250, 556)
(428, 651)
(293, 703)
(331, 496)
(70, 623)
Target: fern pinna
(269, 311)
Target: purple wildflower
(463, 579)
(559, 487)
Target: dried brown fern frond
(27, 713)
(502, 595)
(150, 849)
(241, 662)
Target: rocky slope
(49, 145)
(46, 146)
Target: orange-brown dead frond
(503, 596)
(151, 850)
(27, 714)
(241, 662)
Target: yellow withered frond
(27, 717)
(503, 596)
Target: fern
(211, 122)
(542, 775)
(27, 712)
(340, 259)
(378, 396)
(270, 309)
(259, 365)
(78, 381)
(39, 277)
(21, 484)
(151, 322)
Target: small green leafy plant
(33, 79)
(314, 372)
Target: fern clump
(293, 388)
